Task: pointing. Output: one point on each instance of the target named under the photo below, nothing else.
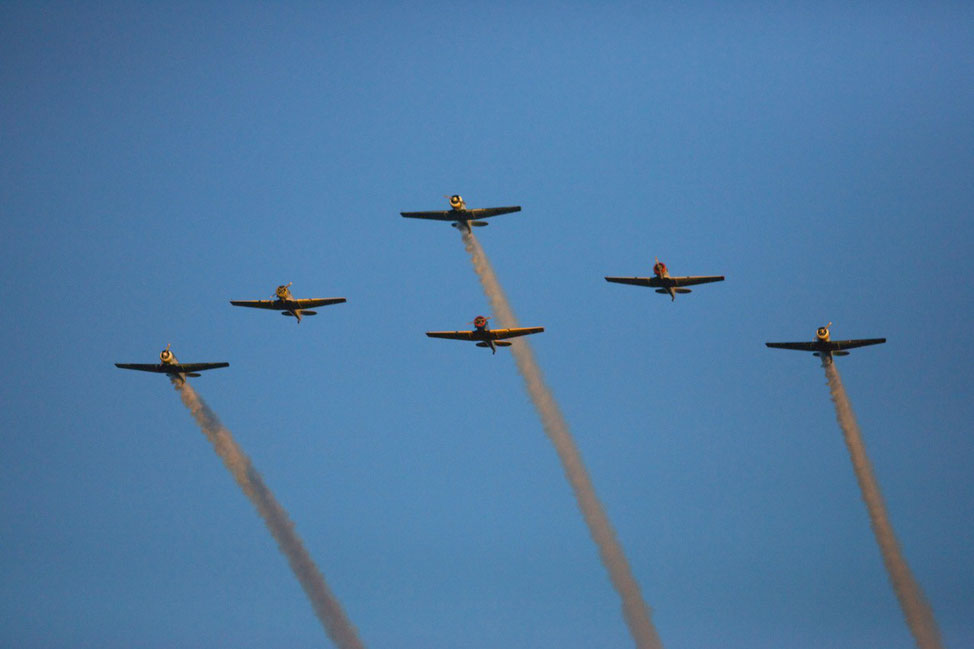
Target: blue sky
(161, 160)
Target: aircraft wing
(636, 281)
(199, 367)
(452, 335)
(837, 345)
(160, 368)
(318, 301)
(276, 305)
(443, 215)
(462, 215)
(484, 212)
(501, 334)
(802, 347)
(690, 281)
(145, 367)
(830, 346)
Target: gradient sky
(158, 161)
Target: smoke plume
(325, 606)
(634, 608)
(919, 616)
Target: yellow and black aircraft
(485, 337)
(462, 217)
(287, 304)
(177, 371)
(824, 347)
(663, 283)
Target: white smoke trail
(325, 605)
(919, 616)
(634, 608)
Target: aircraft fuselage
(286, 303)
(168, 358)
(663, 275)
(480, 333)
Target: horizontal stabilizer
(193, 374)
(682, 290)
(482, 344)
(478, 224)
(662, 291)
(287, 313)
(840, 353)
(502, 343)
(306, 312)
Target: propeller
(282, 290)
(480, 321)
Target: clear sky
(158, 161)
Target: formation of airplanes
(464, 218)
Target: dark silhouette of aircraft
(462, 217)
(287, 304)
(177, 371)
(664, 283)
(485, 337)
(824, 347)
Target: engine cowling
(822, 333)
(456, 202)
(480, 322)
(282, 291)
(165, 355)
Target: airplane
(825, 348)
(492, 338)
(287, 305)
(462, 217)
(177, 371)
(664, 283)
